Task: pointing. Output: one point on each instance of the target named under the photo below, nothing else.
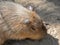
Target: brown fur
(13, 23)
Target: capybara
(17, 22)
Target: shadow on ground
(49, 40)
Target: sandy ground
(54, 30)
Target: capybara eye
(26, 21)
(33, 28)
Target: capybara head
(20, 22)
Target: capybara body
(16, 22)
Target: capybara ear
(30, 8)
